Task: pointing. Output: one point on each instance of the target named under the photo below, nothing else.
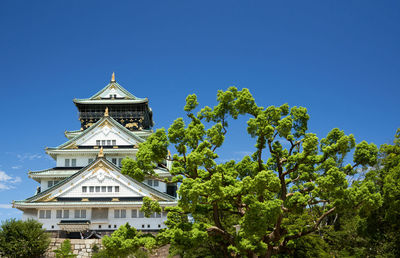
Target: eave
(51, 173)
(22, 204)
(53, 152)
(105, 119)
(109, 101)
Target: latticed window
(80, 214)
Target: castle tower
(85, 194)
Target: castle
(85, 194)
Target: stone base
(84, 248)
(80, 247)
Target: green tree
(381, 228)
(265, 203)
(65, 250)
(125, 242)
(23, 239)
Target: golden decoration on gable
(101, 154)
(72, 146)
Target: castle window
(84, 189)
(109, 188)
(108, 142)
(60, 212)
(80, 214)
(103, 142)
(150, 182)
(120, 162)
(91, 189)
(97, 189)
(44, 214)
(119, 214)
(90, 161)
(98, 142)
(158, 215)
(49, 184)
(67, 162)
(155, 183)
(117, 189)
(114, 142)
(134, 213)
(114, 161)
(73, 161)
(141, 214)
(103, 189)
(148, 225)
(159, 226)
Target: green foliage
(149, 207)
(126, 241)
(23, 239)
(381, 227)
(268, 203)
(65, 250)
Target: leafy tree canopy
(23, 239)
(263, 204)
(126, 241)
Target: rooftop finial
(106, 112)
(113, 77)
(101, 154)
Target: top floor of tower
(130, 111)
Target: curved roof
(126, 96)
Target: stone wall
(84, 248)
(80, 247)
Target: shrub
(23, 238)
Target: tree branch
(298, 235)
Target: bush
(23, 239)
(65, 250)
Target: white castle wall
(111, 223)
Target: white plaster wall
(111, 223)
(29, 214)
(124, 191)
(106, 93)
(81, 160)
(162, 187)
(105, 133)
(44, 183)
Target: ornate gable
(99, 181)
(105, 132)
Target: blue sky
(340, 59)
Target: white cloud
(4, 176)
(16, 167)
(5, 206)
(29, 156)
(7, 181)
(243, 153)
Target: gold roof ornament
(106, 112)
(101, 154)
(113, 77)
